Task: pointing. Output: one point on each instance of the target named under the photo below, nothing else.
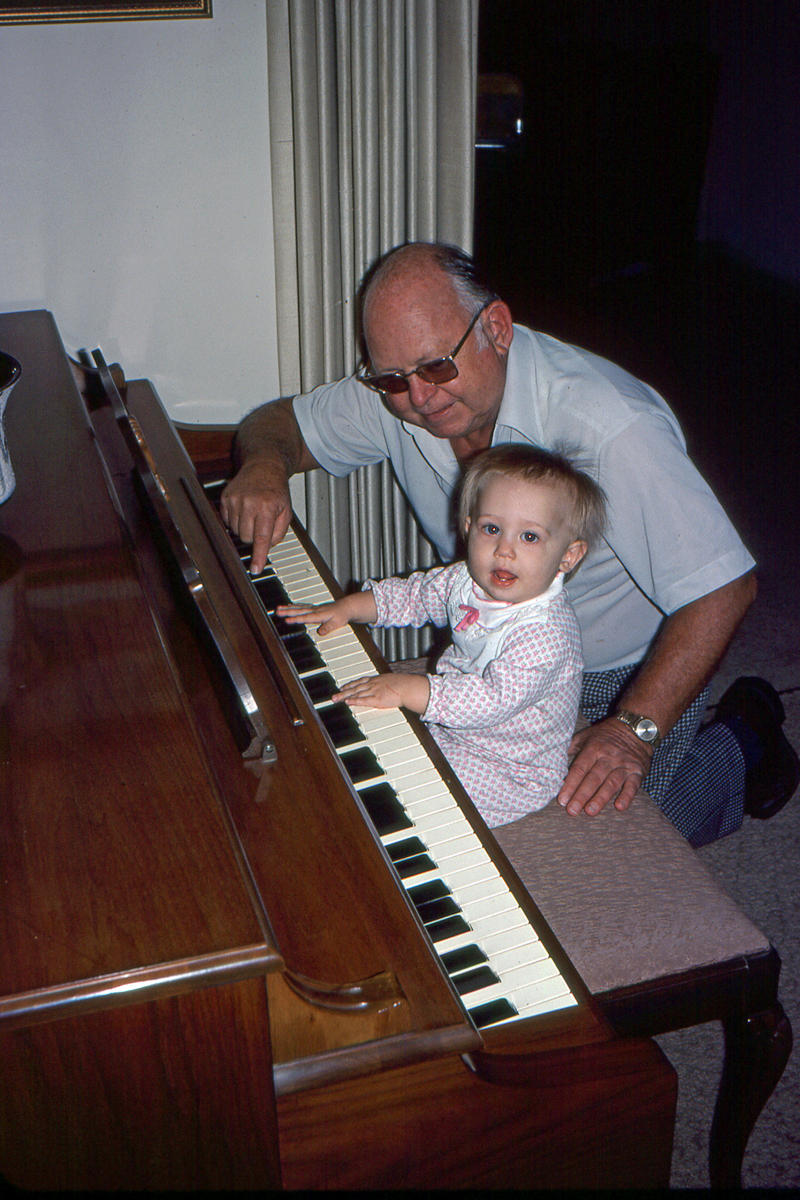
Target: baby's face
(518, 537)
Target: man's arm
(610, 761)
(256, 505)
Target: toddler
(503, 701)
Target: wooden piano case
(210, 976)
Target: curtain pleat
(372, 111)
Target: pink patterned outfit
(504, 699)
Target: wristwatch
(644, 728)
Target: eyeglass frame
(370, 381)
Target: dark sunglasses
(437, 371)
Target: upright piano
(249, 938)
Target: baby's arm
(359, 606)
(525, 671)
(394, 690)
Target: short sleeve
(341, 425)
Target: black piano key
(303, 653)
(449, 927)
(462, 958)
(491, 1013)
(342, 726)
(422, 892)
(435, 910)
(405, 849)
(418, 865)
(384, 809)
(471, 981)
(270, 591)
(320, 687)
(282, 627)
(361, 764)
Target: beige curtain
(372, 115)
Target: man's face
(419, 318)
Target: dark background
(650, 211)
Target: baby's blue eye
(529, 536)
(490, 529)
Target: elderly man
(658, 601)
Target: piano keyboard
(492, 954)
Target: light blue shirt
(668, 540)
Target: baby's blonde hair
(518, 460)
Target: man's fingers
(269, 528)
(606, 768)
(597, 788)
(627, 793)
(257, 509)
(262, 544)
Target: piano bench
(660, 946)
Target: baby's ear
(467, 524)
(573, 555)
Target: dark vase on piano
(10, 371)
(250, 939)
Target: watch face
(646, 729)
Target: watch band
(645, 728)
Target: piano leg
(757, 1047)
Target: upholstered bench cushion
(624, 893)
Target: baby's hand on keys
(387, 691)
(358, 606)
(330, 616)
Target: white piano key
(481, 911)
(516, 933)
(440, 829)
(479, 890)
(380, 722)
(532, 958)
(412, 775)
(462, 852)
(495, 924)
(523, 998)
(420, 803)
(400, 758)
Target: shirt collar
(518, 413)
(492, 613)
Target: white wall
(135, 199)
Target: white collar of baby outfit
(492, 613)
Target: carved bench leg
(757, 1048)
